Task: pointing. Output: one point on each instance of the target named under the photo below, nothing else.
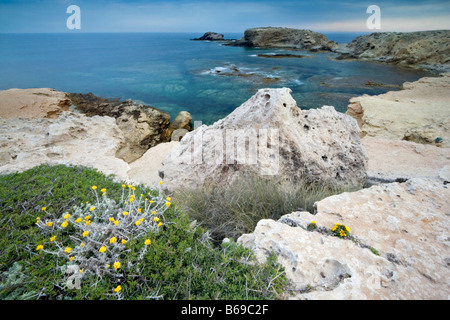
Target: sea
(171, 72)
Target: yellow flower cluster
(341, 230)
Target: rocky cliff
(143, 126)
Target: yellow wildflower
(82, 244)
(49, 224)
(137, 223)
(152, 201)
(67, 216)
(123, 186)
(87, 217)
(113, 240)
(147, 242)
(117, 289)
(168, 204)
(116, 265)
(52, 238)
(160, 182)
(116, 222)
(124, 241)
(103, 190)
(154, 212)
(346, 228)
(139, 210)
(313, 222)
(81, 270)
(130, 186)
(85, 234)
(156, 219)
(78, 220)
(39, 247)
(102, 249)
(160, 224)
(64, 224)
(71, 258)
(168, 199)
(94, 187)
(125, 213)
(44, 208)
(88, 222)
(92, 209)
(68, 249)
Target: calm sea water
(173, 73)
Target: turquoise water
(173, 73)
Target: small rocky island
(286, 38)
(212, 36)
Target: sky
(25, 16)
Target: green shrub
(230, 211)
(46, 210)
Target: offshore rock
(211, 36)
(288, 38)
(269, 135)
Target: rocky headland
(425, 49)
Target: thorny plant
(99, 232)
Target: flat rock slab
(420, 112)
(396, 160)
(400, 249)
(33, 103)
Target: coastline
(403, 204)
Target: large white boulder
(269, 135)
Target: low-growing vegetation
(72, 233)
(230, 211)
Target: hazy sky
(220, 16)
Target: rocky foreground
(399, 226)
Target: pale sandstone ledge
(400, 250)
(420, 112)
(33, 103)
